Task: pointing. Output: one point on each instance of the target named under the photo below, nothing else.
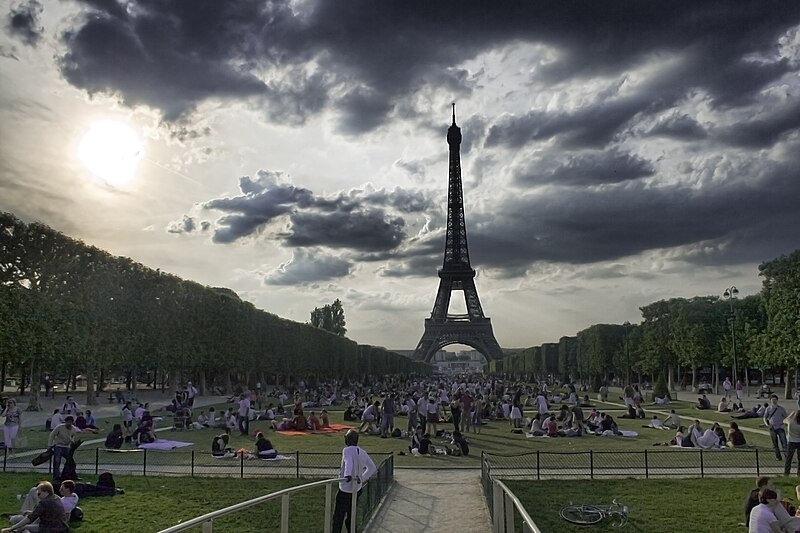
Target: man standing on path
(773, 419)
(357, 467)
(727, 386)
(191, 392)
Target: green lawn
(152, 504)
(495, 437)
(655, 505)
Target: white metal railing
(504, 502)
(206, 521)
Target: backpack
(76, 515)
(106, 479)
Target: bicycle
(586, 515)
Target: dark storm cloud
(308, 266)
(585, 169)
(765, 130)
(370, 229)
(365, 59)
(726, 221)
(23, 21)
(358, 219)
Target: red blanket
(332, 429)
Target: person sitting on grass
(115, 439)
(574, 430)
(673, 421)
(551, 426)
(595, 417)
(313, 421)
(762, 516)
(703, 403)
(461, 446)
(324, 419)
(709, 439)
(80, 423)
(563, 413)
(536, 426)
(48, 515)
(54, 421)
(631, 412)
(299, 422)
(264, 448)
(736, 437)
(723, 406)
(608, 426)
(219, 445)
(201, 422)
(682, 439)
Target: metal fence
(663, 463)
(186, 462)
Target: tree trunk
(670, 380)
(694, 378)
(715, 378)
(228, 386)
(787, 386)
(2, 376)
(100, 384)
(91, 399)
(33, 402)
(133, 381)
(202, 384)
(173, 382)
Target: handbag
(42, 457)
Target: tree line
(680, 337)
(68, 308)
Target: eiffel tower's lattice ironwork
(442, 328)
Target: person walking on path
(727, 386)
(739, 390)
(12, 424)
(60, 440)
(357, 467)
(773, 419)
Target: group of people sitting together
(766, 511)
(263, 448)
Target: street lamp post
(730, 294)
(627, 353)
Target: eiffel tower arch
(442, 328)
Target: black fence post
(297, 464)
(591, 464)
(646, 466)
(538, 467)
(702, 470)
(192, 463)
(144, 463)
(5, 457)
(96, 461)
(241, 465)
(758, 465)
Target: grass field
(495, 437)
(655, 505)
(151, 504)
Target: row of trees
(68, 308)
(681, 336)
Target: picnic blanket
(164, 445)
(334, 428)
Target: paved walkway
(441, 500)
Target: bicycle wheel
(619, 519)
(582, 515)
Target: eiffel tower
(473, 328)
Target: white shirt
(244, 406)
(69, 502)
(760, 519)
(358, 464)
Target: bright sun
(111, 150)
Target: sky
(614, 153)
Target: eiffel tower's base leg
(477, 334)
